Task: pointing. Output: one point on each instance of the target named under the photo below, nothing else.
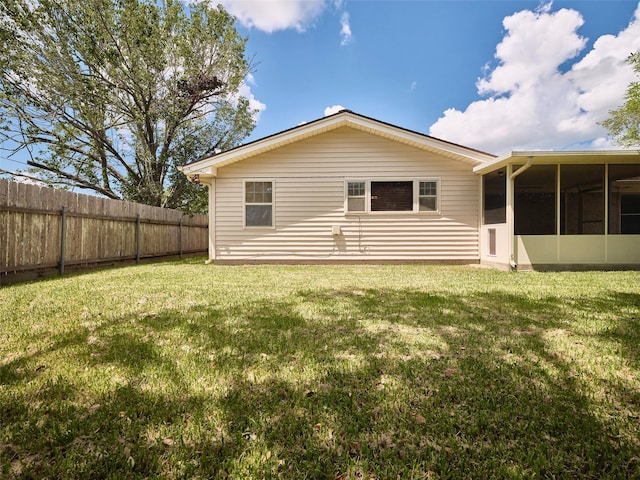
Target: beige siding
(309, 181)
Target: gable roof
(345, 118)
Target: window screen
(624, 199)
(582, 199)
(535, 201)
(391, 196)
(494, 200)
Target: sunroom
(561, 210)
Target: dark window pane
(624, 199)
(494, 187)
(259, 216)
(630, 204)
(391, 196)
(535, 201)
(630, 214)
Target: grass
(181, 370)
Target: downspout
(211, 187)
(210, 182)
(513, 247)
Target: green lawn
(181, 370)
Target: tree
(624, 123)
(113, 95)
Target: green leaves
(113, 95)
(624, 123)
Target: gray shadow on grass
(343, 388)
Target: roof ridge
(340, 112)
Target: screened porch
(543, 215)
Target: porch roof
(564, 157)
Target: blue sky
(493, 75)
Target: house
(348, 189)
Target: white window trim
(416, 196)
(244, 204)
(367, 196)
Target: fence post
(180, 236)
(138, 238)
(63, 235)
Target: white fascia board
(494, 164)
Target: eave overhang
(207, 167)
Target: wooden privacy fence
(44, 229)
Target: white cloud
(334, 109)
(245, 91)
(256, 105)
(530, 103)
(273, 15)
(345, 31)
(603, 143)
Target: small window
(428, 198)
(356, 196)
(258, 204)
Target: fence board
(97, 229)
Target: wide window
(624, 199)
(582, 199)
(535, 201)
(391, 196)
(373, 196)
(258, 204)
